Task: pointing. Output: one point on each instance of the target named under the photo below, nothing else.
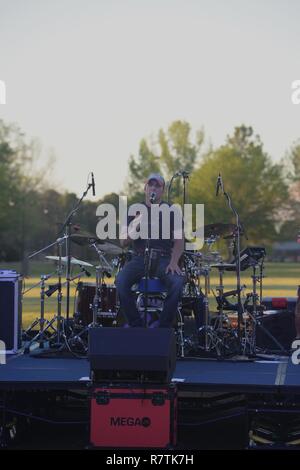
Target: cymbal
(110, 248)
(64, 260)
(84, 238)
(225, 266)
(200, 256)
(218, 229)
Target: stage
(219, 401)
(266, 374)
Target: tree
(255, 184)
(169, 152)
(290, 227)
(20, 183)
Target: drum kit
(199, 331)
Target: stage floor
(239, 375)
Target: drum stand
(102, 270)
(42, 321)
(79, 340)
(255, 316)
(58, 317)
(96, 306)
(207, 336)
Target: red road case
(141, 417)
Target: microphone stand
(146, 261)
(67, 226)
(185, 177)
(240, 310)
(170, 186)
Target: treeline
(266, 194)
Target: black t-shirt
(164, 239)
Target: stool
(155, 286)
(156, 296)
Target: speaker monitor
(281, 325)
(10, 310)
(132, 353)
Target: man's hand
(173, 268)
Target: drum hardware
(236, 230)
(67, 225)
(249, 257)
(90, 303)
(54, 287)
(104, 264)
(101, 271)
(45, 334)
(254, 313)
(41, 321)
(58, 317)
(224, 304)
(104, 269)
(96, 306)
(216, 336)
(208, 338)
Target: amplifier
(10, 310)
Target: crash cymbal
(64, 260)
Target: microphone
(53, 288)
(93, 184)
(87, 273)
(182, 173)
(219, 184)
(152, 197)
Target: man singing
(169, 250)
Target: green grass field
(281, 279)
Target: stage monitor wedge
(141, 354)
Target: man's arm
(177, 251)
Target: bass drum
(106, 314)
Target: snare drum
(84, 303)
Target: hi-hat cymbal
(218, 229)
(64, 260)
(224, 266)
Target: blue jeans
(132, 272)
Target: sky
(91, 78)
